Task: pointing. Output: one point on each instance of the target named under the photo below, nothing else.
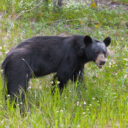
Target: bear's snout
(100, 60)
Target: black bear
(42, 55)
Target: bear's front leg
(60, 79)
(81, 73)
(53, 84)
(78, 74)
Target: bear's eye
(96, 40)
(96, 52)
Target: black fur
(42, 55)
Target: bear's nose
(102, 62)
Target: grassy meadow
(101, 100)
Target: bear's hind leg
(17, 75)
(16, 86)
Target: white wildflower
(77, 103)
(61, 110)
(58, 82)
(125, 76)
(78, 126)
(87, 109)
(93, 98)
(52, 82)
(21, 103)
(85, 103)
(29, 87)
(90, 104)
(8, 95)
(83, 113)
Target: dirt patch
(101, 3)
(112, 5)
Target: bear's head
(96, 50)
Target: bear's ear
(107, 41)
(87, 40)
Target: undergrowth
(101, 100)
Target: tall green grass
(101, 100)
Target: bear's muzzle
(100, 60)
